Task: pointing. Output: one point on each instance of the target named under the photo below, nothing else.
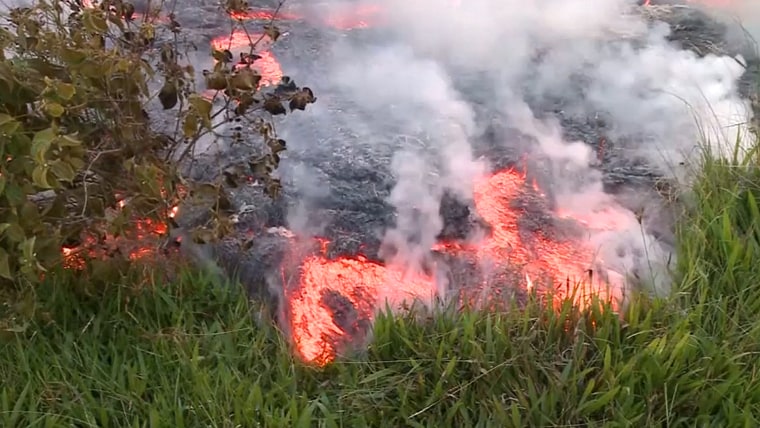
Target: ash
(348, 204)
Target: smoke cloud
(660, 103)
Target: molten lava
(360, 16)
(368, 285)
(139, 242)
(318, 327)
(266, 63)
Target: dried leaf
(215, 81)
(128, 11)
(274, 106)
(276, 145)
(301, 99)
(245, 101)
(273, 188)
(224, 56)
(190, 125)
(261, 167)
(202, 107)
(272, 31)
(245, 79)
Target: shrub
(80, 157)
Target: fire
(369, 285)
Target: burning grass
(189, 353)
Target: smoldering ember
(477, 174)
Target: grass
(189, 354)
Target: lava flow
(564, 264)
(360, 16)
(365, 286)
(335, 299)
(266, 63)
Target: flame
(368, 285)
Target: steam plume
(661, 104)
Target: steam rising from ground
(660, 102)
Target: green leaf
(8, 125)
(41, 143)
(73, 56)
(68, 141)
(3, 182)
(27, 248)
(94, 22)
(62, 170)
(54, 109)
(15, 194)
(39, 177)
(5, 267)
(65, 90)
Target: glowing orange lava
(361, 16)
(240, 41)
(368, 285)
(138, 240)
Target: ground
(189, 353)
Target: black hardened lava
(337, 179)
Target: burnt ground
(337, 179)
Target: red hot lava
(240, 41)
(368, 285)
(359, 16)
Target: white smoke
(666, 103)
(417, 94)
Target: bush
(80, 158)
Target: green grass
(189, 354)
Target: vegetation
(136, 350)
(80, 156)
